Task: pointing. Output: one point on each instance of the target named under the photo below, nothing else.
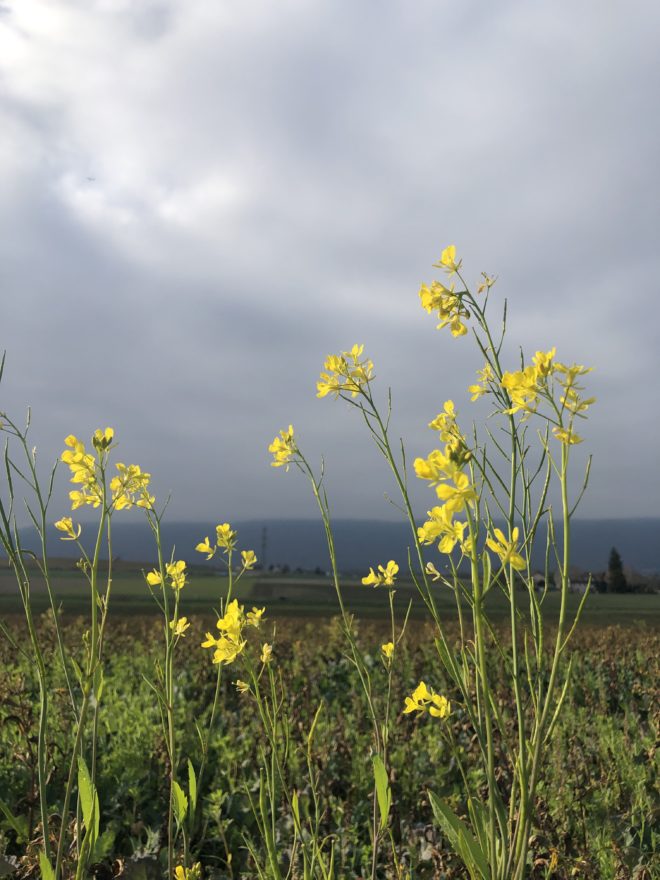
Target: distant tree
(616, 579)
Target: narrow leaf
(461, 839)
(192, 785)
(47, 872)
(180, 803)
(383, 790)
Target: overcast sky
(199, 201)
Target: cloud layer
(201, 200)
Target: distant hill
(362, 543)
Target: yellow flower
(440, 526)
(154, 579)
(388, 651)
(567, 436)
(283, 448)
(386, 575)
(436, 467)
(345, 373)
(445, 422)
(65, 525)
(484, 376)
(176, 572)
(194, 873)
(448, 260)
(205, 547)
(572, 401)
(249, 559)
(423, 699)
(226, 536)
(242, 686)
(266, 653)
(506, 549)
(227, 650)
(433, 571)
(456, 497)
(542, 360)
(102, 439)
(523, 389)
(253, 617)
(179, 626)
(233, 620)
(130, 487)
(487, 283)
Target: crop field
(598, 811)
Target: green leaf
(47, 872)
(89, 801)
(192, 785)
(295, 806)
(461, 839)
(104, 846)
(19, 824)
(180, 803)
(383, 790)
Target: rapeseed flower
(425, 699)
(249, 559)
(386, 575)
(448, 260)
(441, 527)
(506, 549)
(345, 373)
(71, 532)
(567, 436)
(194, 873)
(253, 618)
(179, 626)
(283, 448)
(175, 571)
(485, 377)
(266, 653)
(388, 651)
(458, 496)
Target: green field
(305, 596)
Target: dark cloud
(200, 205)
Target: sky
(200, 201)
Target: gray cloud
(202, 202)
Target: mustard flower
(130, 487)
(253, 618)
(249, 559)
(441, 527)
(242, 686)
(386, 575)
(345, 373)
(448, 260)
(205, 547)
(266, 653)
(102, 439)
(283, 448)
(425, 699)
(179, 626)
(487, 283)
(436, 467)
(567, 436)
(542, 361)
(388, 651)
(506, 549)
(194, 873)
(448, 305)
(523, 389)
(233, 620)
(485, 377)
(432, 571)
(154, 579)
(176, 572)
(458, 496)
(229, 644)
(71, 532)
(445, 422)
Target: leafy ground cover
(598, 809)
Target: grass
(308, 596)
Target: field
(598, 813)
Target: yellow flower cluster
(346, 373)
(444, 300)
(283, 448)
(525, 388)
(386, 575)
(128, 488)
(425, 699)
(442, 469)
(485, 377)
(179, 626)
(225, 540)
(230, 642)
(175, 572)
